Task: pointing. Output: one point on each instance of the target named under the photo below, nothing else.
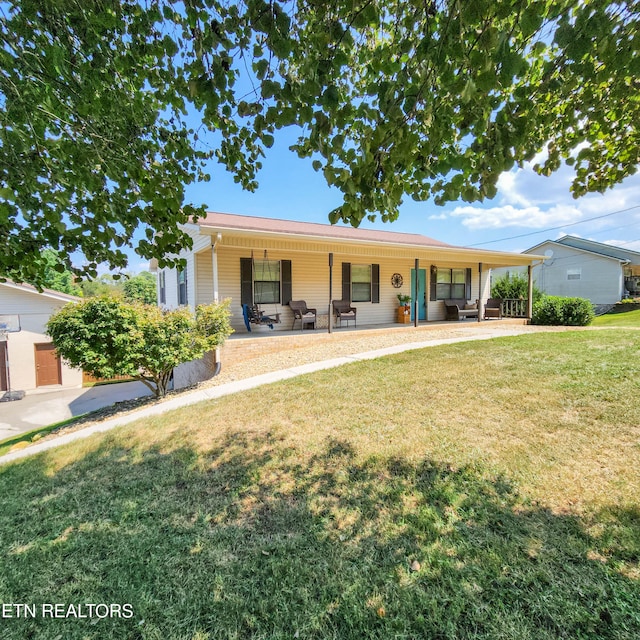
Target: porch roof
(412, 243)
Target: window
(574, 274)
(182, 287)
(360, 283)
(162, 285)
(266, 281)
(451, 284)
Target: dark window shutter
(467, 288)
(375, 283)
(182, 287)
(163, 290)
(346, 281)
(285, 276)
(246, 281)
(433, 280)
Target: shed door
(3, 366)
(47, 365)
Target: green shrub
(555, 310)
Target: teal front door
(422, 294)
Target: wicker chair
(303, 313)
(343, 310)
(493, 308)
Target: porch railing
(514, 307)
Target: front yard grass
(479, 490)
(618, 319)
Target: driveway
(42, 409)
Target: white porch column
(480, 298)
(530, 293)
(214, 264)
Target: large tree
(57, 277)
(426, 98)
(140, 287)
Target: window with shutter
(162, 285)
(451, 284)
(265, 281)
(361, 282)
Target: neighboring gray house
(602, 273)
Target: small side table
(404, 315)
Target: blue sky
(526, 205)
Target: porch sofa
(460, 309)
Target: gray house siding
(576, 267)
(576, 273)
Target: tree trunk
(162, 383)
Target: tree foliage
(392, 98)
(103, 285)
(57, 277)
(140, 287)
(107, 337)
(513, 286)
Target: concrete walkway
(193, 397)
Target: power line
(562, 226)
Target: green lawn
(619, 319)
(478, 490)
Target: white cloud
(507, 187)
(138, 267)
(532, 217)
(529, 201)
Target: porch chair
(253, 315)
(343, 310)
(303, 313)
(493, 308)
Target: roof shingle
(270, 225)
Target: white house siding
(171, 288)
(203, 278)
(200, 242)
(34, 310)
(601, 278)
